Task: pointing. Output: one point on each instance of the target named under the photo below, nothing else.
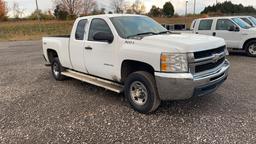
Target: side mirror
(103, 37)
(234, 28)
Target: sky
(179, 5)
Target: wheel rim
(139, 93)
(252, 49)
(56, 69)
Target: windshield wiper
(141, 34)
(164, 32)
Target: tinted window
(253, 20)
(127, 26)
(98, 25)
(224, 24)
(241, 23)
(194, 24)
(247, 20)
(80, 30)
(205, 25)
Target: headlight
(174, 62)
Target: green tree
(155, 11)
(228, 8)
(168, 9)
(42, 15)
(60, 14)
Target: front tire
(57, 69)
(141, 92)
(250, 48)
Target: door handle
(214, 33)
(88, 48)
(196, 32)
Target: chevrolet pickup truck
(238, 34)
(135, 55)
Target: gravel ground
(34, 108)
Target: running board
(112, 86)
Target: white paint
(105, 60)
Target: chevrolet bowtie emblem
(216, 57)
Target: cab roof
(108, 15)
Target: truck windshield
(253, 20)
(241, 23)
(131, 26)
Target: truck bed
(60, 44)
(60, 36)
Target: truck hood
(182, 43)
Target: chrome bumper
(178, 86)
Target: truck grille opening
(208, 66)
(208, 53)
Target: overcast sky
(179, 5)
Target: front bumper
(178, 86)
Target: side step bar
(112, 86)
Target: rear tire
(141, 92)
(250, 48)
(57, 69)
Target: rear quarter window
(80, 30)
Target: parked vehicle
(237, 33)
(136, 55)
(249, 19)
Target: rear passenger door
(76, 48)
(205, 27)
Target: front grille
(208, 53)
(208, 66)
(207, 60)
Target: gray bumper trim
(177, 86)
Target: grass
(31, 30)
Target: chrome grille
(204, 61)
(208, 53)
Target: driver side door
(232, 38)
(100, 55)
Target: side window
(247, 21)
(224, 24)
(80, 30)
(98, 25)
(205, 25)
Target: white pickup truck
(136, 55)
(238, 34)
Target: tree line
(70, 9)
(228, 7)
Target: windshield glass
(241, 23)
(128, 26)
(253, 20)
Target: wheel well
(248, 41)
(130, 66)
(51, 54)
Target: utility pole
(38, 17)
(186, 13)
(194, 7)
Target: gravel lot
(34, 108)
